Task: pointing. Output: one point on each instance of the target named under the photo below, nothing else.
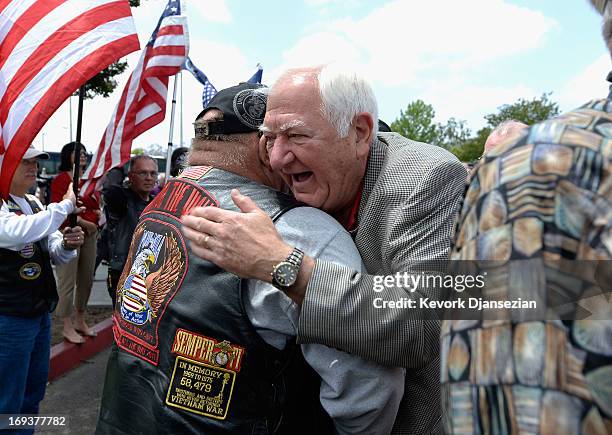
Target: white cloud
(404, 39)
(472, 102)
(208, 10)
(588, 84)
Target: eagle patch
(156, 266)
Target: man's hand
(246, 244)
(73, 238)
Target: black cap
(243, 107)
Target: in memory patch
(201, 388)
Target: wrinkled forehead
(278, 125)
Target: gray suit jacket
(411, 197)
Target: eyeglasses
(144, 174)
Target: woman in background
(79, 272)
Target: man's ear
(264, 157)
(364, 131)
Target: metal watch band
(295, 257)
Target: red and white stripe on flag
(143, 102)
(48, 48)
(138, 287)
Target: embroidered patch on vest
(30, 271)
(28, 251)
(155, 269)
(207, 350)
(203, 382)
(201, 388)
(179, 197)
(195, 172)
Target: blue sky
(465, 58)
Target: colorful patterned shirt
(545, 197)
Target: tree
(454, 133)
(154, 149)
(417, 122)
(471, 149)
(529, 112)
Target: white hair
(344, 94)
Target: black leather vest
(187, 359)
(120, 229)
(27, 285)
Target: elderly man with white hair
(397, 197)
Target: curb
(65, 356)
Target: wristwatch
(286, 272)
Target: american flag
(139, 289)
(143, 102)
(48, 48)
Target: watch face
(286, 274)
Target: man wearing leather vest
(29, 241)
(123, 206)
(198, 350)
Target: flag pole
(70, 105)
(181, 112)
(171, 134)
(77, 152)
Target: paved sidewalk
(77, 395)
(99, 293)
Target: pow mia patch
(30, 271)
(250, 107)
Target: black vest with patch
(27, 285)
(186, 358)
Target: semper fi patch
(204, 374)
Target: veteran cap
(243, 107)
